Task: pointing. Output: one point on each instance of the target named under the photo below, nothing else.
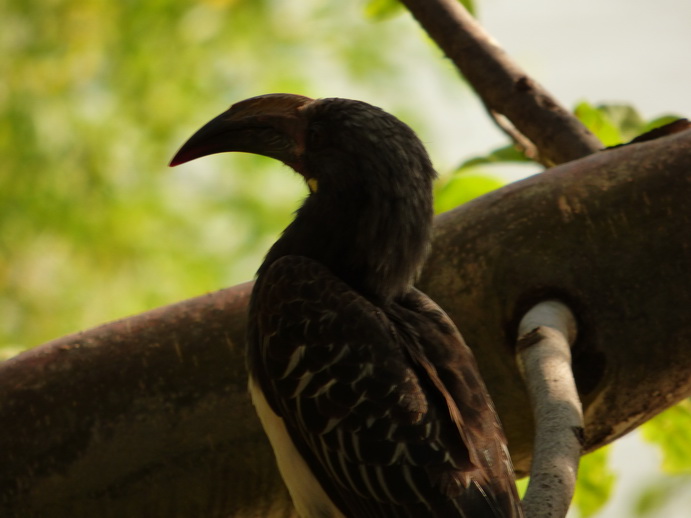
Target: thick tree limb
(149, 417)
(546, 334)
(144, 417)
(501, 84)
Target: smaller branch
(520, 141)
(546, 333)
(502, 85)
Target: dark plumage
(372, 401)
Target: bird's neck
(376, 244)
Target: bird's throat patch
(312, 184)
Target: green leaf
(469, 181)
(600, 123)
(383, 9)
(463, 187)
(469, 5)
(670, 432)
(625, 118)
(522, 486)
(616, 124)
(659, 121)
(501, 155)
(595, 482)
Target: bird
(372, 401)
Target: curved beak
(271, 125)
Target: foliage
(475, 177)
(461, 187)
(613, 124)
(93, 225)
(616, 124)
(96, 98)
(595, 482)
(670, 432)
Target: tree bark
(149, 416)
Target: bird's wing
(367, 412)
(451, 365)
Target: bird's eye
(316, 136)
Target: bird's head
(328, 141)
(370, 179)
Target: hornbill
(370, 398)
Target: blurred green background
(95, 98)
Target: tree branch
(149, 417)
(606, 235)
(502, 85)
(546, 334)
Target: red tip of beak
(180, 158)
